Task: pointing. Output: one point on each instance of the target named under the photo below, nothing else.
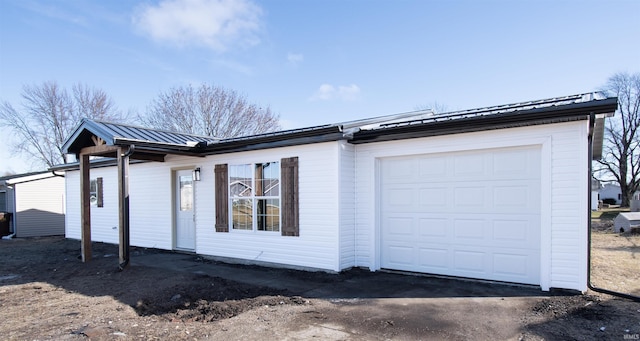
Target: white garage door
(470, 214)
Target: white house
(496, 193)
(595, 195)
(36, 202)
(625, 221)
(611, 191)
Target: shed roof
(631, 216)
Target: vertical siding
(40, 207)
(564, 190)
(347, 205)
(151, 208)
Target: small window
(254, 196)
(186, 193)
(95, 193)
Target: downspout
(592, 122)
(125, 227)
(54, 174)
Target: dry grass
(615, 261)
(615, 257)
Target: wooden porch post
(85, 204)
(123, 208)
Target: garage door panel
(434, 258)
(472, 214)
(399, 227)
(433, 167)
(469, 165)
(430, 228)
(466, 197)
(401, 255)
(465, 229)
(434, 199)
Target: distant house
(36, 203)
(611, 191)
(595, 195)
(625, 221)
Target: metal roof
(552, 110)
(391, 127)
(114, 133)
(500, 109)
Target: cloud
(216, 24)
(327, 92)
(295, 58)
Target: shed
(36, 202)
(497, 193)
(625, 221)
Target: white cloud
(216, 24)
(327, 92)
(295, 58)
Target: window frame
(253, 198)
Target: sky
(317, 62)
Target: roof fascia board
(29, 178)
(243, 147)
(325, 134)
(438, 129)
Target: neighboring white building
(496, 193)
(36, 202)
(611, 191)
(625, 221)
(595, 195)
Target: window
(186, 193)
(254, 196)
(95, 193)
(278, 209)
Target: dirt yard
(47, 293)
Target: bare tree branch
(48, 116)
(621, 153)
(209, 110)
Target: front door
(185, 226)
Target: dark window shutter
(289, 186)
(99, 187)
(222, 198)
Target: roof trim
(461, 122)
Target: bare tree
(209, 110)
(621, 153)
(48, 115)
(435, 106)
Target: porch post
(85, 204)
(123, 207)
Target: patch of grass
(608, 213)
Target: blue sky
(317, 62)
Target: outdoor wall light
(196, 174)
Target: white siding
(151, 206)
(564, 192)
(39, 207)
(346, 205)
(317, 245)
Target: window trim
(254, 199)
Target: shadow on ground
(159, 282)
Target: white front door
(185, 226)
